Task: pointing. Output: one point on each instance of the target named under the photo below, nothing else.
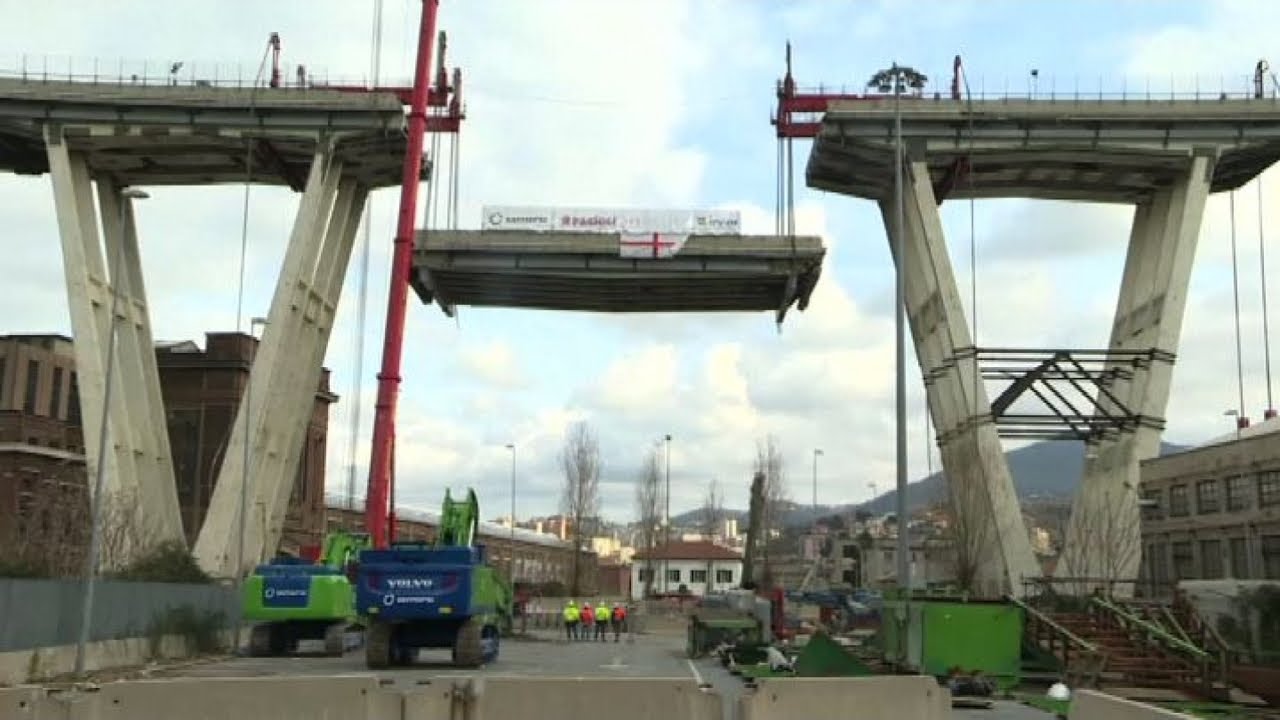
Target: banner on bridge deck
(611, 220)
(652, 246)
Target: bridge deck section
(586, 272)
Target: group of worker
(587, 622)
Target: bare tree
(769, 463)
(711, 514)
(970, 527)
(1109, 560)
(50, 536)
(649, 512)
(710, 520)
(580, 499)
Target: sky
(659, 104)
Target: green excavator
(294, 600)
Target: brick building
(43, 503)
(202, 391)
(540, 559)
(43, 498)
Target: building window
(1268, 488)
(1159, 563)
(73, 401)
(1178, 501)
(1151, 509)
(698, 576)
(1184, 562)
(646, 574)
(1239, 558)
(1207, 497)
(724, 576)
(1237, 495)
(3, 384)
(1210, 559)
(673, 575)
(1271, 557)
(33, 384)
(55, 394)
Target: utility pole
(666, 542)
(95, 532)
(512, 540)
(816, 452)
(897, 79)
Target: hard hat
(1059, 692)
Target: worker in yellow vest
(602, 621)
(571, 616)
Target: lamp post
(897, 79)
(666, 541)
(816, 453)
(242, 522)
(95, 532)
(511, 548)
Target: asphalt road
(545, 654)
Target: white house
(694, 566)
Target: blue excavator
(439, 595)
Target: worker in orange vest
(619, 618)
(588, 620)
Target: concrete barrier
(346, 697)
(496, 698)
(33, 665)
(1094, 705)
(901, 697)
(20, 703)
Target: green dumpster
(945, 635)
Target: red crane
(379, 516)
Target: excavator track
(468, 651)
(377, 645)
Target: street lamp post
(897, 79)
(511, 549)
(666, 542)
(816, 453)
(99, 480)
(242, 522)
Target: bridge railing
(39, 68)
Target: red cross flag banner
(497, 218)
(653, 246)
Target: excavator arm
(459, 521)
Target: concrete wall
(46, 613)
(364, 698)
(37, 664)
(906, 697)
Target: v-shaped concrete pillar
(285, 375)
(994, 548)
(1104, 541)
(139, 489)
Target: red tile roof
(701, 550)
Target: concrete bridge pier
(993, 547)
(139, 489)
(1103, 537)
(284, 374)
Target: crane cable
(1235, 288)
(363, 292)
(1266, 334)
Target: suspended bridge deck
(195, 135)
(1064, 149)
(587, 272)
